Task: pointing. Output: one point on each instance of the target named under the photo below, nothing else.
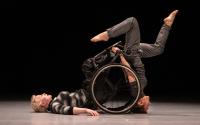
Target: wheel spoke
(110, 84)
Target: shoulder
(63, 93)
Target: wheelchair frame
(101, 69)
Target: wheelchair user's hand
(115, 49)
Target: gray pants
(133, 49)
(157, 48)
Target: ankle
(105, 36)
(101, 37)
(168, 22)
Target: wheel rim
(120, 108)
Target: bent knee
(132, 20)
(159, 50)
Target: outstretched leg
(150, 50)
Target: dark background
(42, 49)
(8, 4)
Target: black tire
(108, 83)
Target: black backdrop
(42, 49)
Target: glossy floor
(160, 113)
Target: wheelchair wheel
(111, 90)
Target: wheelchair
(110, 89)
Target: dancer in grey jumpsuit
(133, 49)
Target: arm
(77, 110)
(131, 78)
(60, 108)
(61, 105)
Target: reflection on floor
(160, 113)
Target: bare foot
(100, 37)
(170, 19)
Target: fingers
(92, 112)
(96, 113)
(115, 49)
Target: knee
(132, 20)
(159, 50)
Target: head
(41, 102)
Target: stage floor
(160, 113)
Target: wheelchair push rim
(131, 101)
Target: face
(43, 99)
